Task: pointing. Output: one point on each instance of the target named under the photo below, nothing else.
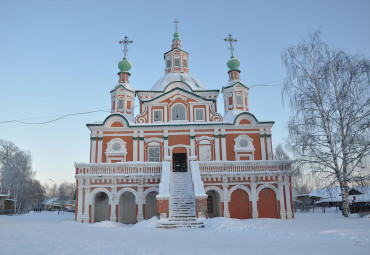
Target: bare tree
(16, 173)
(329, 98)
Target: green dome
(233, 63)
(124, 65)
(176, 35)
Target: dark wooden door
(179, 162)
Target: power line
(23, 121)
(59, 117)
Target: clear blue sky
(59, 57)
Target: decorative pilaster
(134, 148)
(281, 197)
(254, 198)
(268, 144)
(140, 215)
(113, 203)
(287, 198)
(87, 202)
(141, 147)
(263, 149)
(217, 145)
(100, 149)
(223, 144)
(93, 149)
(192, 145)
(79, 201)
(226, 200)
(166, 155)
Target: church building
(178, 158)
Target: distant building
(359, 198)
(179, 158)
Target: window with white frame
(185, 63)
(177, 62)
(168, 63)
(120, 103)
(157, 115)
(239, 99)
(178, 112)
(154, 154)
(199, 114)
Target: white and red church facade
(178, 158)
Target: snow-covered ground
(308, 233)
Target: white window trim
(239, 94)
(174, 62)
(185, 113)
(123, 103)
(195, 115)
(154, 147)
(161, 113)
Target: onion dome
(233, 63)
(124, 65)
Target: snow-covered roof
(231, 115)
(190, 80)
(3, 195)
(334, 194)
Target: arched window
(178, 112)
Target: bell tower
(176, 60)
(235, 93)
(123, 95)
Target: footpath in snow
(308, 233)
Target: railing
(210, 167)
(197, 180)
(164, 185)
(119, 168)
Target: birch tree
(16, 173)
(329, 95)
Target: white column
(140, 215)
(281, 197)
(223, 144)
(192, 144)
(88, 202)
(254, 198)
(166, 155)
(141, 147)
(207, 113)
(217, 147)
(150, 114)
(191, 118)
(80, 200)
(93, 149)
(287, 197)
(100, 149)
(268, 144)
(134, 148)
(263, 149)
(226, 201)
(113, 203)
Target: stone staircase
(182, 203)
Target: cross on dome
(176, 21)
(231, 40)
(125, 43)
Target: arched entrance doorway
(101, 207)
(151, 205)
(127, 208)
(267, 204)
(213, 204)
(239, 204)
